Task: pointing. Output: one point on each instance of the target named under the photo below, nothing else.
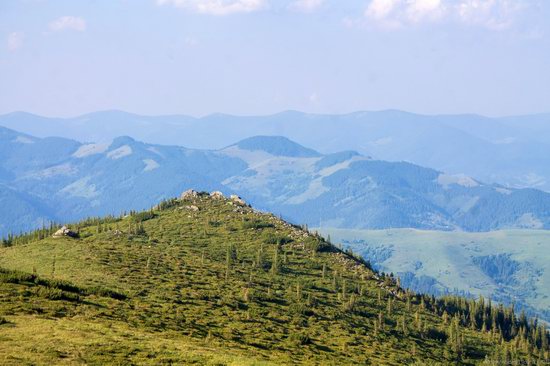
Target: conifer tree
(344, 289)
(275, 263)
(227, 261)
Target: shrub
(56, 289)
(144, 216)
(58, 284)
(53, 293)
(7, 276)
(436, 334)
(321, 246)
(105, 292)
(277, 239)
(299, 339)
(257, 224)
(298, 310)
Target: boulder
(192, 208)
(64, 231)
(217, 195)
(189, 195)
(238, 200)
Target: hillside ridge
(214, 280)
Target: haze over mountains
(64, 180)
(513, 151)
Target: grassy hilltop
(208, 280)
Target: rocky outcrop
(217, 195)
(237, 200)
(65, 232)
(189, 195)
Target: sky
(247, 57)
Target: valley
(509, 266)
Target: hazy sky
(64, 58)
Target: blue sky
(196, 57)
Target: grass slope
(223, 284)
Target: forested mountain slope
(514, 150)
(62, 180)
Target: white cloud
(305, 6)
(15, 41)
(396, 13)
(68, 23)
(384, 13)
(381, 9)
(489, 14)
(422, 10)
(216, 7)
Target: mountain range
(59, 179)
(512, 151)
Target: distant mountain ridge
(512, 151)
(63, 180)
(276, 145)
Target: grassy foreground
(209, 281)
